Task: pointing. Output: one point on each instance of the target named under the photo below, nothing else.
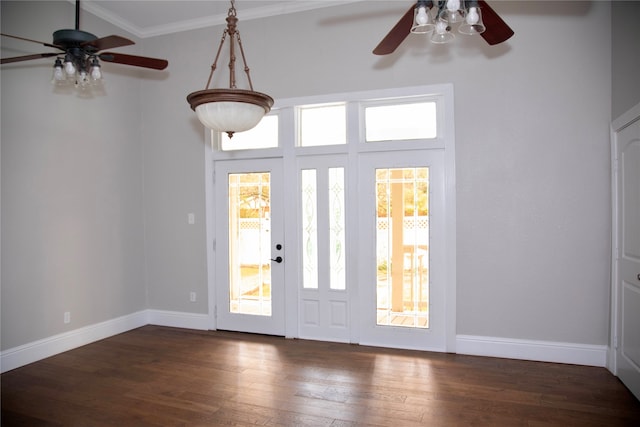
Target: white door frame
(274, 323)
(210, 226)
(445, 140)
(211, 155)
(617, 125)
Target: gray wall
(625, 52)
(173, 147)
(532, 141)
(72, 199)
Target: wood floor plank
(158, 376)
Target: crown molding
(211, 20)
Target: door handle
(277, 259)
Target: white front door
(249, 246)
(627, 255)
(322, 168)
(401, 255)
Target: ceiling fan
(79, 52)
(494, 30)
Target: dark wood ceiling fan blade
(27, 57)
(108, 42)
(136, 61)
(497, 30)
(397, 34)
(32, 41)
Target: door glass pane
(322, 125)
(336, 229)
(402, 247)
(309, 229)
(401, 122)
(250, 243)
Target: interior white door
(401, 280)
(627, 251)
(250, 255)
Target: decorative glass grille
(309, 229)
(336, 229)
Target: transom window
(264, 135)
(322, 125)
(396, 120)
(400, 122)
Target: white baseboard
(47, 347)
(541, 351)
(178, 319)
(19, 356)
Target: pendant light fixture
(230, 109)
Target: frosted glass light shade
(473, 22)
(422, 22)
(230, 110)
(229, 116)
(442, 34)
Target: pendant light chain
(233, 32)
(230, 109)
(215, 61)
(244, 61)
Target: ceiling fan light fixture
(81, 51)
(82, 79)
(96, 73)
(422, 21)
(77, 68)
(442, 33)
(474, 11)
(230, 109)
(58, 76)
(452, 12)
(69, 66)
(473, 22)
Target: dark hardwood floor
(157, 376)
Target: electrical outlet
(67, 317)
(192, 296)
(191, 218)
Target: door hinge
(615, 342)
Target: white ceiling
(146, 18)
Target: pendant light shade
(230, 109)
